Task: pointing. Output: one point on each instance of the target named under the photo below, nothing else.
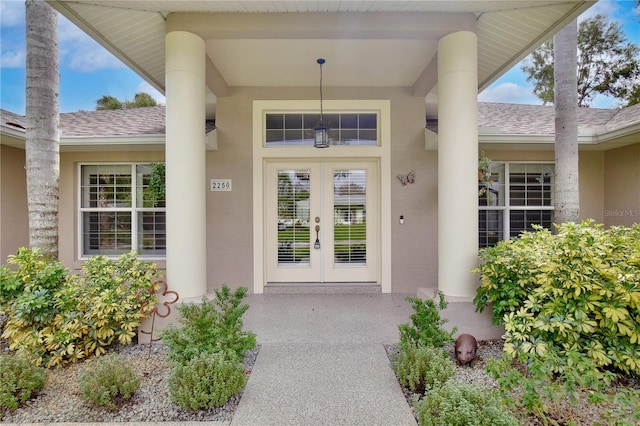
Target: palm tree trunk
(43, 122)
(567, 195)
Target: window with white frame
(513, 198)
(297, 129)
(119, 212)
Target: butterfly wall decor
(409, 178)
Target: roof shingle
(508, 119)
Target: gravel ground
(59, 401)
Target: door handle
(317, 243)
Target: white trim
(381, 152)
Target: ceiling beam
(215, 81)
(427, 79)
(413, 26)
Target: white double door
(322, 221)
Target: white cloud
(13, 59)
(508, 92)
(145, 87)
(13, 44)
(81, 53)
(12, 13)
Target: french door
(322, 222)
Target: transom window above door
(297, 129)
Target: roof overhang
(366, 43)
(491, 139)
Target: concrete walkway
(322, 360)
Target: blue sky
(88, 71)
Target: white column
(457, 163)
(185, 164)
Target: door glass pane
(293, 216)
(350, 216)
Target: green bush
(426, 324)
(19, 381)
(421, 368)
(115, 295)
(570, 295)
(456, 404)
(210, 327)
(107, 381)
(55, 318)
(208, 380)
(533, 387)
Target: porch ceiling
(276, 43)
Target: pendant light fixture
(321, 137)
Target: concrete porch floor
(317, 317)
(322, 360)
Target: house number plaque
(220, 185)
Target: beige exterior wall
(229, 214)
(609, 186)
(591, 170)
(622, 186)
(14, 219)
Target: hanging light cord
(320, 62)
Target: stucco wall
(622, 183)
(591, 172)
(414, 243)
(14, 219)
(229, 214)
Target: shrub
(55, 318)
(114, 294)
(463, 405)
(211, 327)
(426, 324)
(207, 380)
(19, 381)
(570, 295)
(26, 292)
(421, 368)
(533, 386)
(107, 381)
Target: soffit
(134, 30)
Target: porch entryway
(322, 223)
(322, 360)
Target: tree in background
(43, 126)
(108, 102)
(606, 64)
(567, 196)
(139, 100)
